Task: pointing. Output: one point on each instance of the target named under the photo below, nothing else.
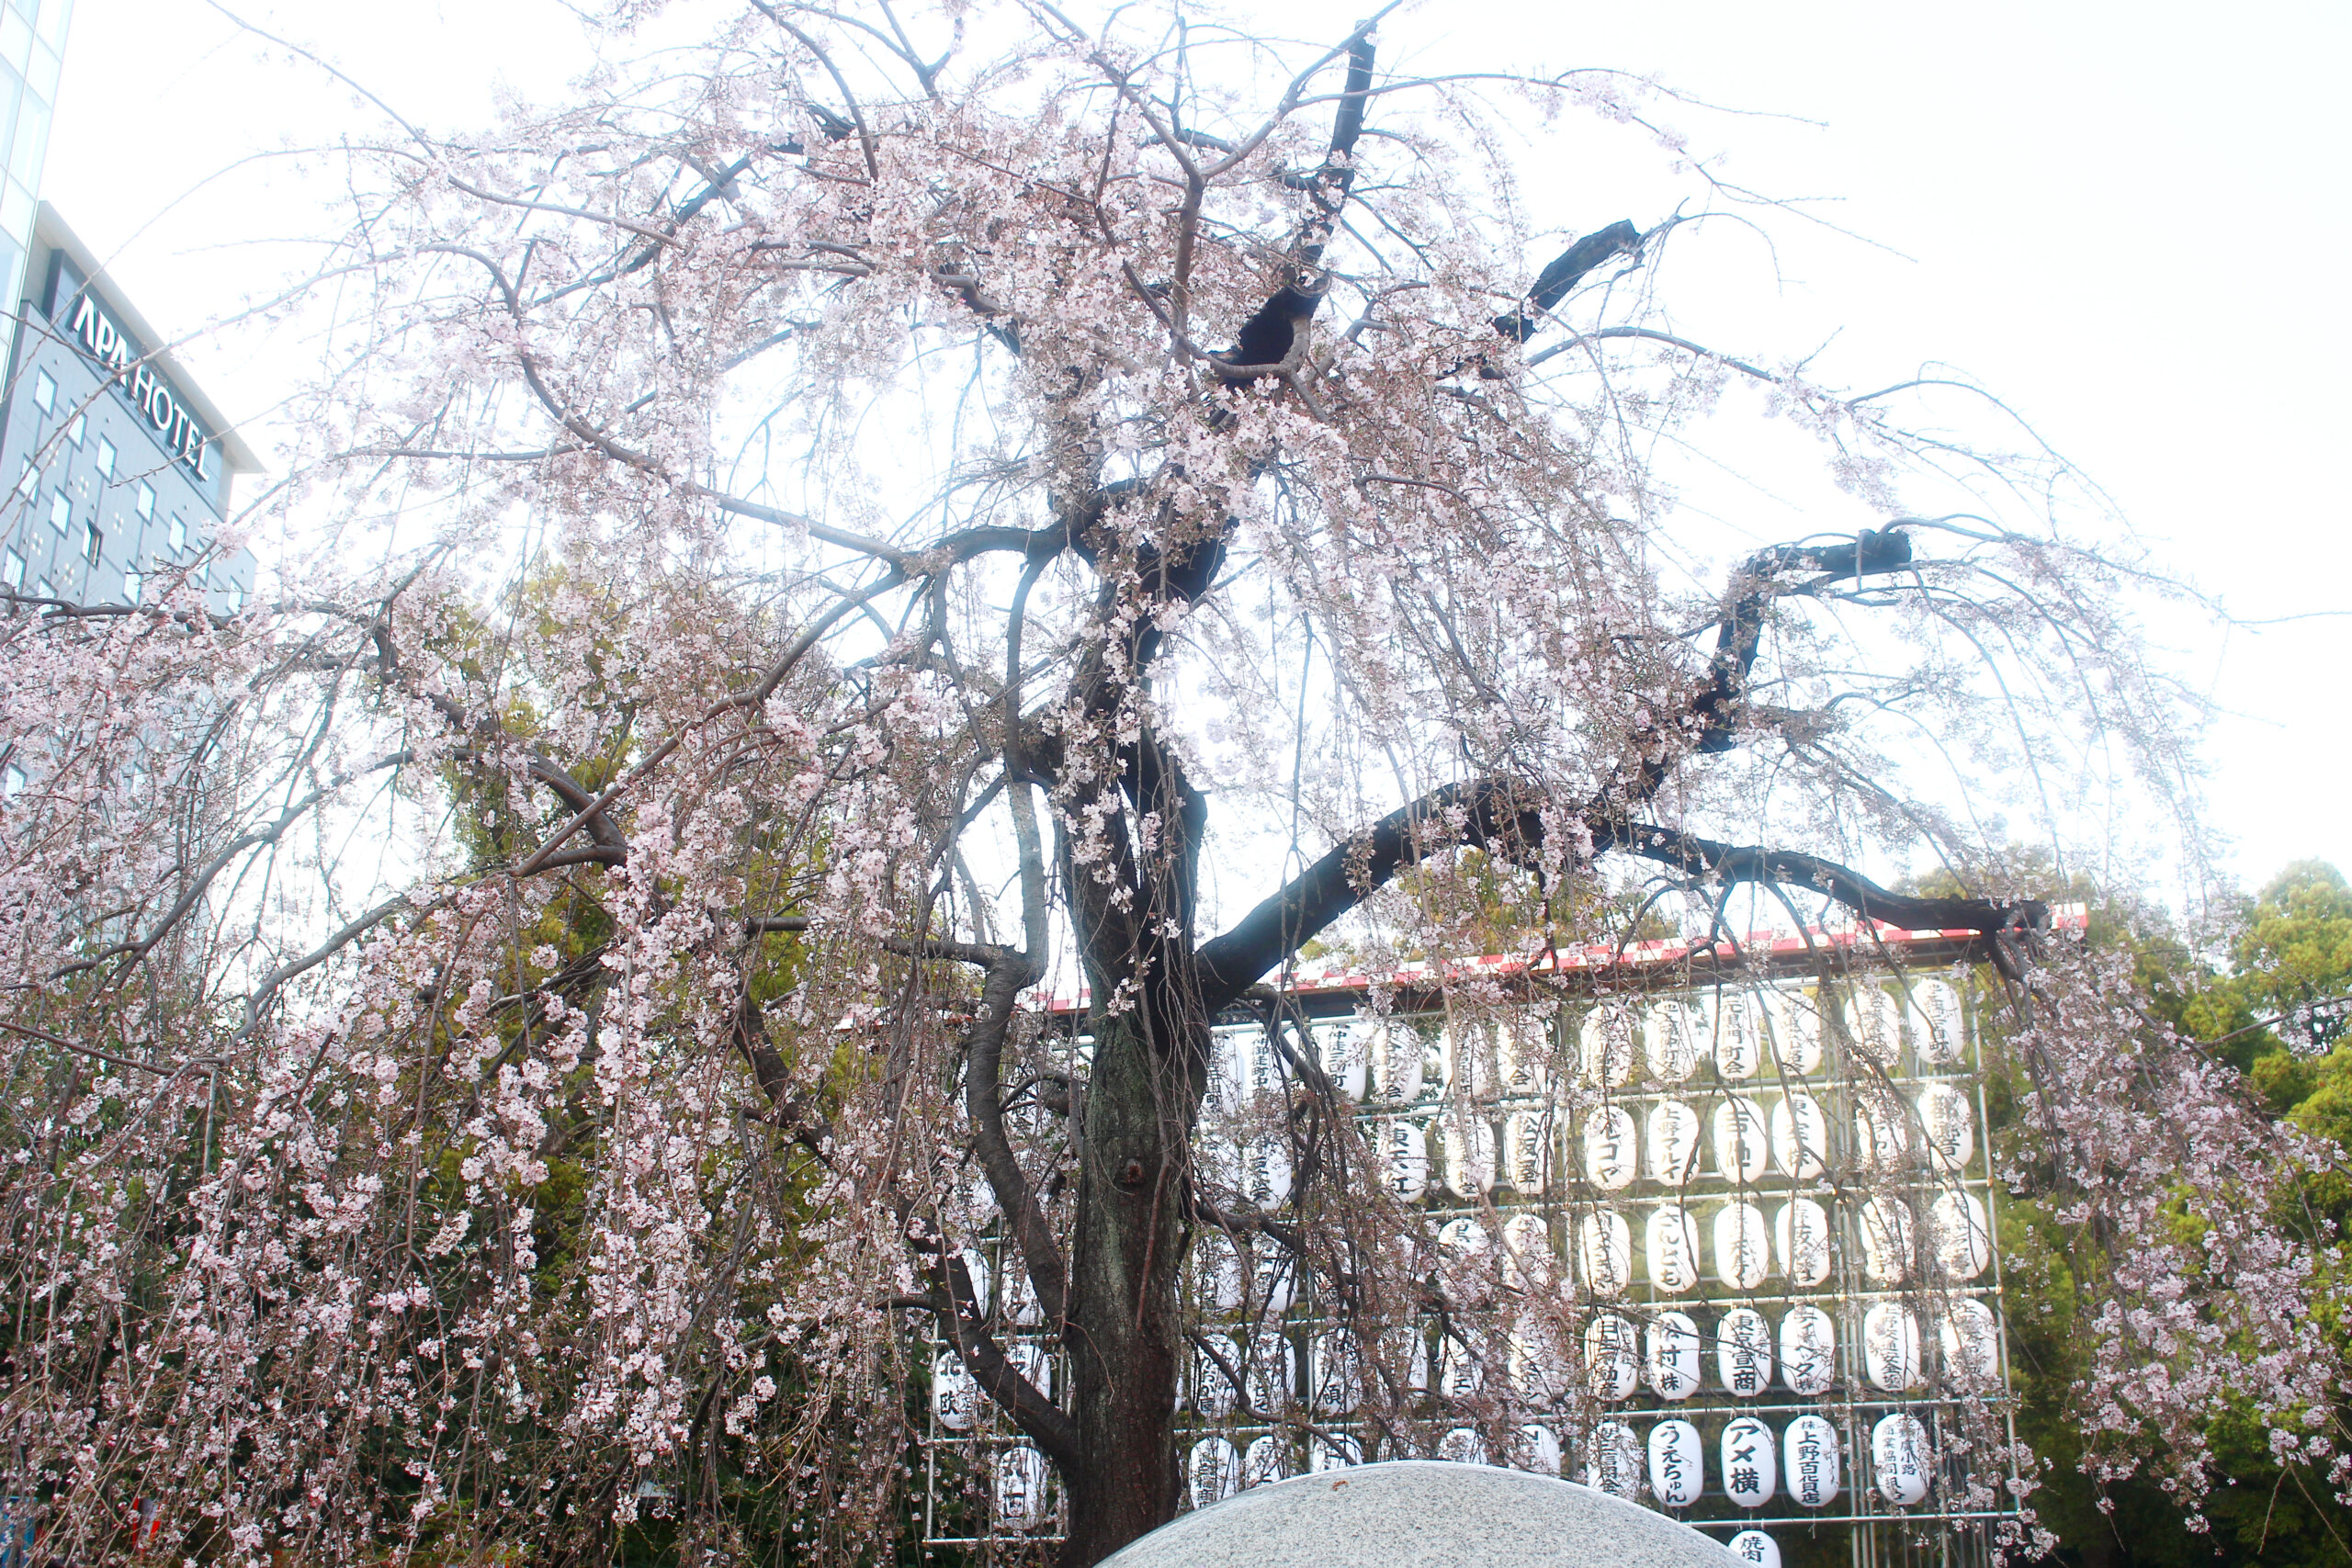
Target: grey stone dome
(1423, 1514)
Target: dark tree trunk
(1124, 1342)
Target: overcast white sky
(2129, 219)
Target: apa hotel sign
(78, 308)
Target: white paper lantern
(1800, 1136)
(1961, 1235)
(1342, 1049)
(1742, 1247)
(1272, 1373)
(1613, 1460)
(1461, 1374)
(1335, 1372)
(1874, 1023)
(1540, 1373)
(1750, 1469)
(1398, 1068)
(1212, 1471)
(1527, 1251)
(1672, 1366)
(1213, 1394)
(1675, 1034)
(1469, 1154)
(1465, 1054)
(1267, 1459)
(1333, 1450)
(1523, 1047)
(1738, 1036)
(1538, 1450)
(1743, 1352)
(955, 1397)
(1971, 1341)
(1755, 1549)
(1273, 1277)
(1677, 1470)
(1670, 1238)
(1605, 1253)
(1743, 1148)
(1217, 1272)
(1405, 1159)
(1940, 1030)
(1888, 1236)
(1265, 1173)
(1809, 1447)
(1794, 1020)
(1021, 1488)
(1526, 1151)
(1801, 1232)
(1882, 1140)
(1899, 1458)
(1608, 1149)
(1891, 1348)
(1605, 1045)
(1611, 1358)
(1808, 1351)
(1673, 1142)
(1946, 1127)
(1232, 1067)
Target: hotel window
(179, 533)
(15, 780)
(12, 568)
(132, 585)
(106, 458)
(44, 391)
(44, 589)
(61, 512)
(146, 501)
(92, 542)
(28, 481)
(74, 431)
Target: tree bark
(1123, 1339)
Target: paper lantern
(1604, 1253)
(1610, 1358)
(1800, 1136)
(1738, 1022)
(1673, 1142)
(1670, 1237)
(1609, 1150)
(1021, 1488)
(1808, 1351)
(1749, 1470)
(1743, 1352)
(1742, 1247)
(1678, 1472)
(1672, 1365)
(1891, 1347)
(1809, 1448)
(1743, 1148)
(1801, 1232)
(1212, 1471)
(1605, 1043)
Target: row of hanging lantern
(1755, 1141)
(1754, 1465)
(1619, 1359)
(1742, 1035)
(1257, 1378)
